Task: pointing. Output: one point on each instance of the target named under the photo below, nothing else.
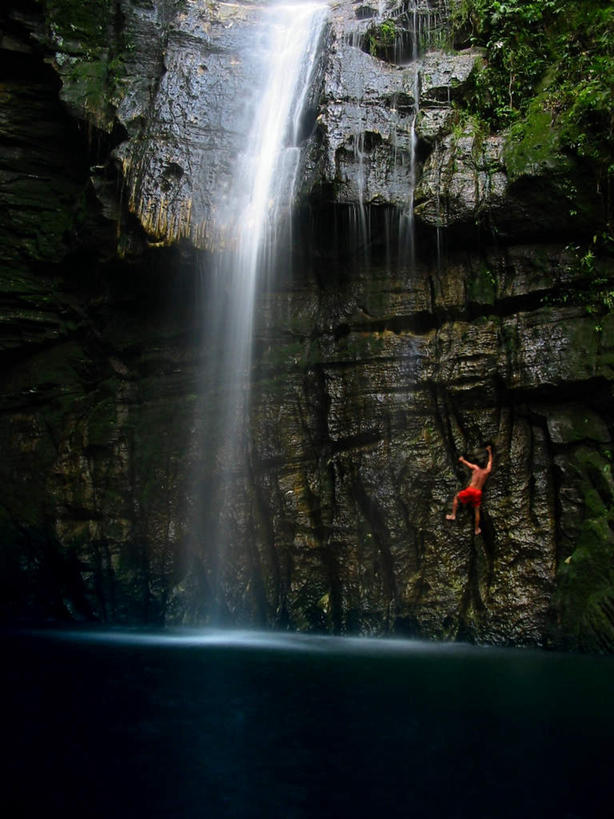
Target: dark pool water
(230, 724)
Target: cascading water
(396, 34)
(420, 20)
(360, 215)
(250, 215)
(407, 249)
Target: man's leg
(454, 508)
(477, 530)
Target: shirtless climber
(472, 495)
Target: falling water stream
(415, 26)
(247, 228)
(251, 214)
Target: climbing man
(472, 495)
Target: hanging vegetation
(547, 56)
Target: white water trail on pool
(249, 218)
(255, 640)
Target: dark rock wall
(372, 373)
(403, 372)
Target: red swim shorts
(471, 495)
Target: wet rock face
(179, 165)
(382, 405)
(366, 146)
(372, 372)
(390, 131)
(187, 130)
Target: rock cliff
(442, 297)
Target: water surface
(248, 724)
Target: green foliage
(549, 65)
(586, 87)
(594, 286)
(518, 51)
(84, 22)
(388, 31)
(382, 37)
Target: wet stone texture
(380, 412)
(376, 364)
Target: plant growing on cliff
(593, 284)
(382, 38)
(551, 56)
(518, 51)
(85, 24)
(89, 45)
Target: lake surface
(246, 724)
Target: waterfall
(359, 215)
(407, 245)
(397, 34)
(250, 215)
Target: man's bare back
(478, 478)
(472, 495)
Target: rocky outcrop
(374, 368)
(178, 165)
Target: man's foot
(450, 517)
(478, 531)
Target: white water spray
(407, 228)
(247, 222)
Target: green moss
(585, 581)
(287, 356)
(586, 587)
(87, 84)
(361, 346)
(549, 65)
(85, 22)
(533, 146)
(382, 38)
(89, 45)
(94, 89)
(483, 287)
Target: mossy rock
(573, 424)
(585, 583)
(85, 89)
(88, 45)
(74, 21)
(532, 147)
(586, 590)
(381, 40)
(483, 287)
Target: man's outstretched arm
(489, 464)
(463, 461)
